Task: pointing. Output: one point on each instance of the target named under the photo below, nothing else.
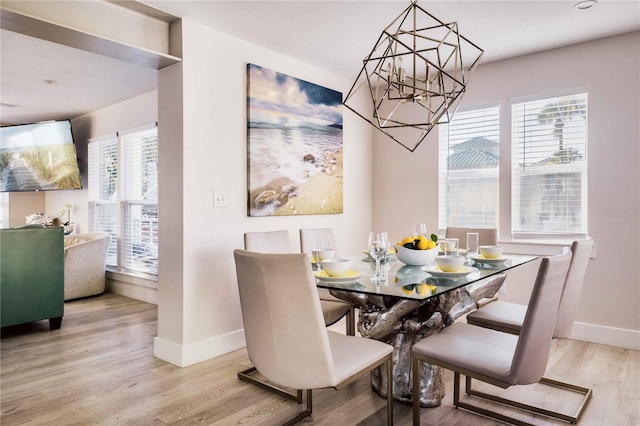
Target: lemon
(423, 243)
(405, 241)
(431, 244)
(425, 289)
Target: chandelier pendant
(415, 76)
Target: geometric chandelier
(415, 76)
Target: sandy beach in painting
(321, 194)
(317, 191)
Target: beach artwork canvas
(294, 145)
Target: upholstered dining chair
(494, 357)
(509, 317)
(333, 308)
(332, 311)
(288, 342)
(308, 241)
(267, 242)
(486, 236)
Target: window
(123, 197)
(469, 166)
(4, 209)
(549, 166)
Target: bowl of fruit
(417, 251)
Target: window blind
(469, 169)
(549, 166)
(123, 197)
(103, 195)
(139, 203)
(4, 209)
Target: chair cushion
(70, 241)
(326, 295)
(499, 315)
(333, 311)
(351, 354)
(477, 349)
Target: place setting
(489, 257)
(450, 266)
(336, 271)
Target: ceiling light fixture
(415, 76)
(47, 81)
(584, 5)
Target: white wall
(214, 155)
(609, 69)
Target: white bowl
(318, 255)
(336, 267)
(416, 257)
(491, 252)
(409, 275)
(450, 263)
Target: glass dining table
(411, 304)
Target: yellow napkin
(323, 274)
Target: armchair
(85, 257)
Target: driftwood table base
(403, 322)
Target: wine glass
(322, 251)
(378, 246)
(419, 229)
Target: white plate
(436, 272)
(347, 279)
(481, 259)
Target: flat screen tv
(38, 157)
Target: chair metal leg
(390, 392)
(306, 413)
(456, 388)
(415, 367)
(470, 407)
(351, 322)
(247, 376)
(554, 414)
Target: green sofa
(32, 275)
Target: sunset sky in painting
(280, 99)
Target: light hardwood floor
(99, 369)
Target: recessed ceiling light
(49, 81)
(585, 4)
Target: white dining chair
(288, 342)
(309, 239)
(267, 242)
(486, 236)
(509, 317)
(332, 310)
(497, 358)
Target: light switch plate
(219, 198)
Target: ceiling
(333, 35)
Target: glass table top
(416, 282)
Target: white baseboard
(132, 287)
(184, 356)
(620, 337)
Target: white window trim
(120, 271)
(544, 245)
